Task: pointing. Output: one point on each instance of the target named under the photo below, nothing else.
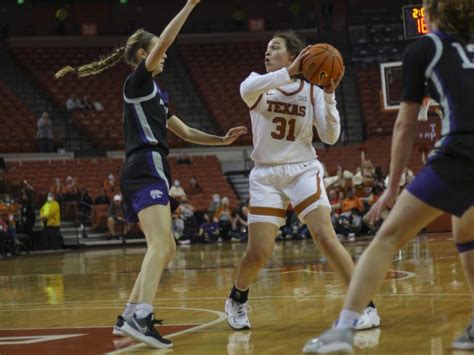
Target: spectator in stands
(293, 228)
(86, 103)
(239, 18)
(98, 106)
(346, 181)
(357, 185)
(209, 230)
(405, 179)
(71, 191)
(102, 198)
(224, 215)
(351, 202)
(27, 214)
(62, 17)
(109, 184)
(379, 177)
(186, 212)
(215, 203)
(115, 218)
(335, 201)
(57, 189)
(45, 133)
(4, 245)
(329, 180)
(374, 195)
(184, 159)
(85, 207)
(74, 103)
(177, 190)
(238, 232)
(51, 217)
(194, 187)
(177, 226)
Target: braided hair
(140, 39)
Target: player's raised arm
(326, 116)
(168, 35)
(255, 85)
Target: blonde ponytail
(95, 67)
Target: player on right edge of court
(445, 60)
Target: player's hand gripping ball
(323, 63)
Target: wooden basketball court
(66, 303)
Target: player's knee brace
(464, 247)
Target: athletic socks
(239, 296)
(347, 320)
(129, 310)
(143, 310)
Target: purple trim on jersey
(139, 126)
(431, 189)
(452, 117)
(151, 165)
(154, 194)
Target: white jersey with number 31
(283, 113)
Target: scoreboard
(414, 23)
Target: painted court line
(221, 316)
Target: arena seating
(218, 69)
(18, 128)
(377, 43)
(90, 174)
(104, 128)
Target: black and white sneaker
(143, 330)
(118, 326)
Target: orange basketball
(323, 63)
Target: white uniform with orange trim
(286, 170)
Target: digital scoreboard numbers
(414, 23)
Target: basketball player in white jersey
(284, 109)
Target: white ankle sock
(143, 309)
(347, 319)
(129, 310)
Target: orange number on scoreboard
(281, 128)
(421, 25)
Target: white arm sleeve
(326, 116)
(256, 84)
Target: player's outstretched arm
(196, 136)
(403, 139)
(168, 35)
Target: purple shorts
(144, 183)
(445, 184)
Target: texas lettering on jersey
(286, 108)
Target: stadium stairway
(240, 182)
(347, 95)
(348, 98)
(38, 101)
(75, 236)
(188, 105)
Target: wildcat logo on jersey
(286, 108)
(155, 194)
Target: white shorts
(273, 187)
